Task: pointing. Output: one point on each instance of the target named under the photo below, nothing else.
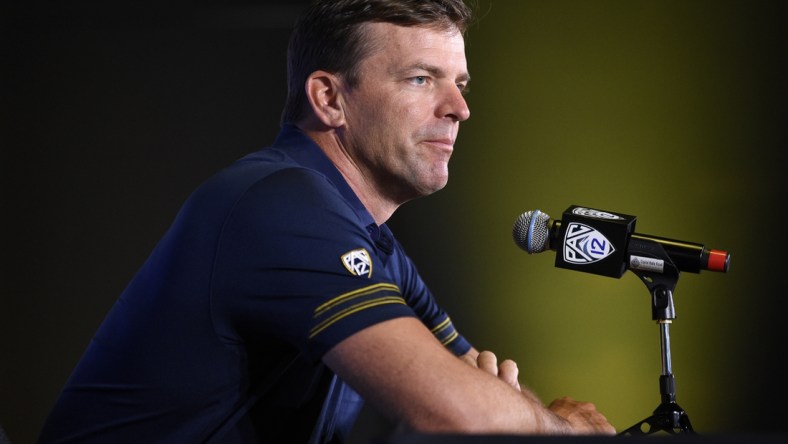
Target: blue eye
(419, 80)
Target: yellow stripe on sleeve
(354, 309)
(354, 294)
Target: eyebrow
(438, 72)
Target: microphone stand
(668, 416)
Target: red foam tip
(718, 260)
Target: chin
(434, 187)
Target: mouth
(441, 144)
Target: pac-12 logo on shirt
(358, 262)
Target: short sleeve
(421, 300)
(295, 264)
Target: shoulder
(265, 182)
(293, 194)
(292, 208)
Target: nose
(454, 105)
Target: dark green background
(672, 111)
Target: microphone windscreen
(531, 232)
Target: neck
(361, 182)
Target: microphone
(603, 242)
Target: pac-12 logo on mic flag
(358, 262)
(585, 245)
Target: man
(279, 295)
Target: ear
(323, 93)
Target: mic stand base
(668, 417)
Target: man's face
(403, 116)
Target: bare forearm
(510, 408)
(399, 367)
(563, 416)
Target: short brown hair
(329, 36)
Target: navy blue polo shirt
(220, 335)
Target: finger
(509, 372)
(604, 425)
(488, 362)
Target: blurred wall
(668, 110)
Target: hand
(488, 362)
(583, 417)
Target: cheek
(401, 106)
(384, 118)
(372, 115)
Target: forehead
(400, 45)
